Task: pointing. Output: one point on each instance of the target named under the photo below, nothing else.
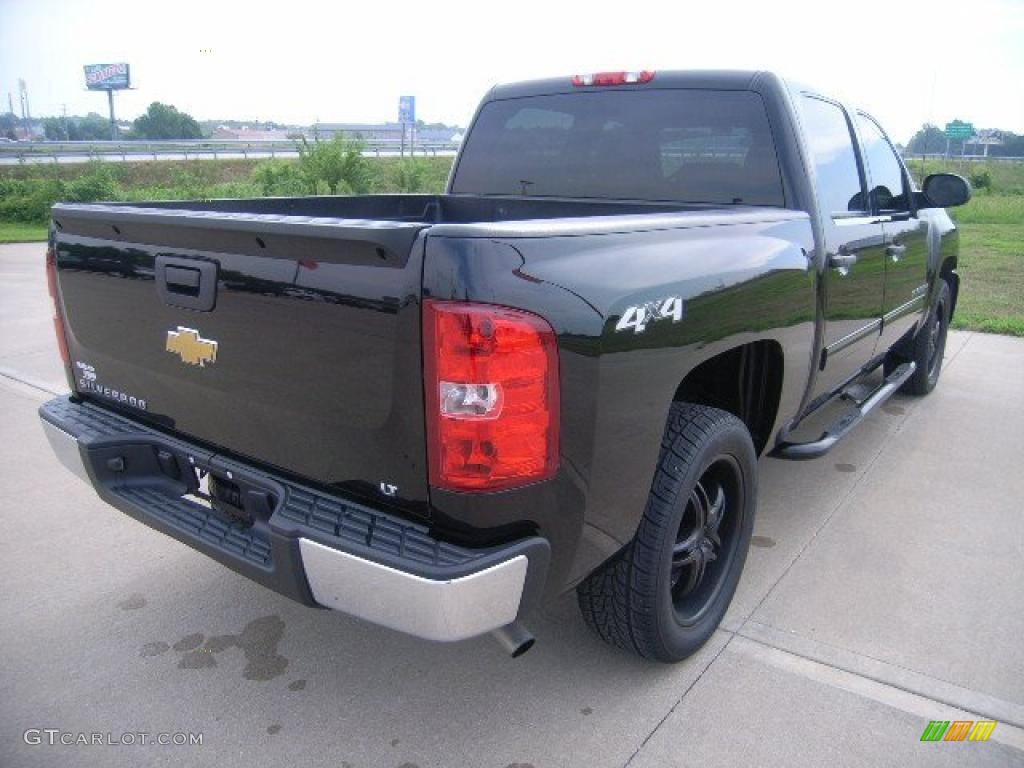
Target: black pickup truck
(435, 411)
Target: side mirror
(946, 190)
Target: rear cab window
(661, 145)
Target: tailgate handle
(182, 280)
(187, 283)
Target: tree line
(931, 140)
(160, 121)
(165, 121)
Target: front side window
(840, 191)
(888, 186)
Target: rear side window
(828, 135)
(696, 146)
(888, 186)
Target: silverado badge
(192, 348)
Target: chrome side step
(845, 424)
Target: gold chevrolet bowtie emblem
(193, 349)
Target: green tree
(53, 128)
(92, 127)
(1012, 146)
(164, 121)
(8, 122)
(337, 164)
(930, 139)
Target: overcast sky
(348, 61)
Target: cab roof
(735, 80)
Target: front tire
(664, 594)
(928, 346)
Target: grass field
(991, 264)
(133, 175)
(991, 244)
(16, 232)
(991, 225)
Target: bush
(97, 185)
(981, 179)
(411, 174)
(29, 200)
(408, 175)
(187, 185)
(279, 178)
(337, 165)
(27, 192)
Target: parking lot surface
(885, 589)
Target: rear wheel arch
(745, 381)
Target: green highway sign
(959, 130)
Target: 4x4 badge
(637, 317)
(192, 348)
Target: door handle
(842, 261)
(895, 251)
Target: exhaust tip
(514, 638)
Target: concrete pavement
(885, 589)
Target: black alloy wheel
(707, 539)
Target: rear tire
(664, 594)
(927, 347)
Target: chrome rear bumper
(65, 448)
(435, 610)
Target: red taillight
(613, 78)
(491, 380)
(58, 321)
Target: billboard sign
(106, 77)
(407, 110)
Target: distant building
(245, 133)
(368, 131)
(381, 131)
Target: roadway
(62, 153)
(148, 157)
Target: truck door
(854, 278)
(906, 236)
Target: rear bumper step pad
(314, 547)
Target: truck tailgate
(287, 340)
